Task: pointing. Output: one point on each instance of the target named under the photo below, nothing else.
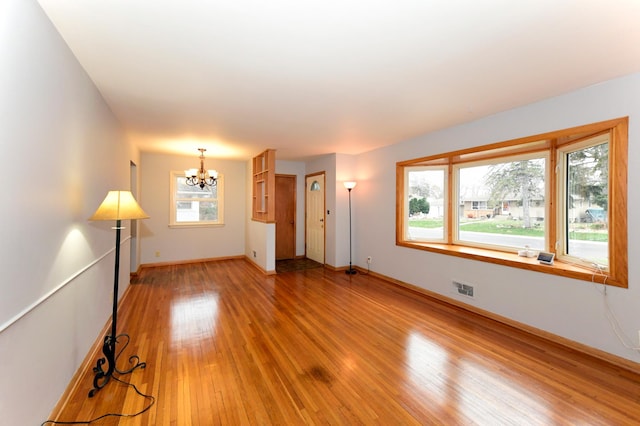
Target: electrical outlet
(158, 253)
(368, 260)
(254, 253)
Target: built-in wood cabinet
(264, 185)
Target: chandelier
(201, 177)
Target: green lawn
(426, 223)
(589, 236)
(512, 227)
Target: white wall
(178, 244)
(261, 245)
(61, 151)
(569, 308)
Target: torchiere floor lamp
(118, 206)
(350, 185)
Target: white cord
(613, 321)
(611, 317)
(615, 325)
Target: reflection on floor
(289, 265)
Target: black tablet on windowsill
(546, 258)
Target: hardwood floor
(225, 344)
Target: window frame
(563, 222)
(174, 199)
(553, 143)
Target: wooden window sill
(513, 260)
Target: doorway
(133, 242)
(285, 212)
(314, 224)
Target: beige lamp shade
(119, 205)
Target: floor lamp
(350, 185)
(118, 206)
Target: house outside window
(518, 180)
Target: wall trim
(53, 291)
(571, 344)
(208, 259)
(189, 261)
(336, 268)
(260, 268)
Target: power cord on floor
(86, 422)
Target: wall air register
(463, 289)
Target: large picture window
(484, 189)
(563, 192)
(193, 206)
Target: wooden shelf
(264, 184)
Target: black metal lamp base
(103, 376)
(350, 271)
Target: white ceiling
(313, 77)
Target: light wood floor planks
(225, 344)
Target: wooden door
(285, 217)
(314, 225)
